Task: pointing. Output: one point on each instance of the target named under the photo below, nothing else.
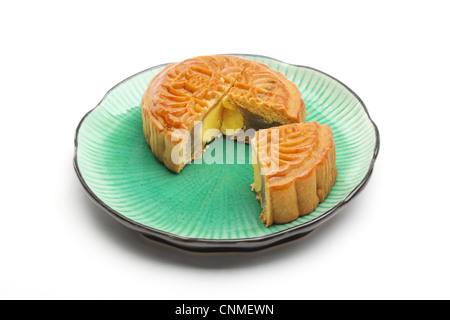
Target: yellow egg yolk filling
(223, 118)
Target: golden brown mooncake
(294, 170)
(225, 93)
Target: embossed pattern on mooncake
(283, 149)
(260, 84)
(265, 92)
(190, 88)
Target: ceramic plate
(210, 207)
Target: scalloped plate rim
(228, 245)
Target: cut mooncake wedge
(189, 103)
(294, 170)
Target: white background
(58, 59)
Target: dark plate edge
(228, 245)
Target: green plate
(210, 206)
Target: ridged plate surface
(210, 206)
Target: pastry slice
(294, 170)
(264, 98)
(178, 97)
(189, 103)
